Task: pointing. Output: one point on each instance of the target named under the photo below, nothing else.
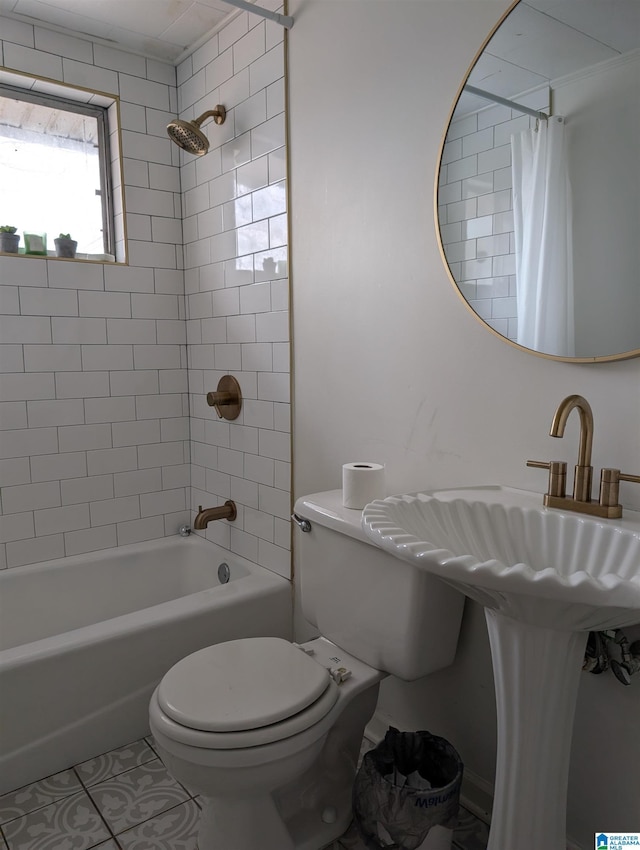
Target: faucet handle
(610, 485)
(557, 475)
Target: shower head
(188, 135)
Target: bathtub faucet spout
(204, 517)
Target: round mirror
(539, 181)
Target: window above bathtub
(60, 169)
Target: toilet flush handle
(304, 524)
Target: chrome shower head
(188, 135)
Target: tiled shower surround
(100, 414)
(476, 208)
(236, 285)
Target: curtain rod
(284, 20)
(504, 102)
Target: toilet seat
(244, 693)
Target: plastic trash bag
(405, 786)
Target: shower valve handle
(227, 399)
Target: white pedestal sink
(545, 578)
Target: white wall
(390, 367)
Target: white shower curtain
(543, 227)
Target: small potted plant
(9, 239)
(65, 246)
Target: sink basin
(545, 578)
(504, 549)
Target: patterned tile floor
(126, 800)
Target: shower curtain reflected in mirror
(543, 234)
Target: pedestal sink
(545, 578)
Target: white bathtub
(84, 641)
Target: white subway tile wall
(94, 356)
(476, 210)
(105, 435)
(89, 389)
(235, 240)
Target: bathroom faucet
(555, 497)
(204, 517)
(583, 470)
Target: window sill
(51, 255)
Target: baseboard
(476, 794)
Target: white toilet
(268, 732)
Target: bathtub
(85, 640)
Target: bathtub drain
(223, 573)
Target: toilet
(268, 732)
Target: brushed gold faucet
(556, 497)
(583, 471)
(204, 517)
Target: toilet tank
(386, 612)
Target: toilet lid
(241, 684)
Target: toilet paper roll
(362, 482)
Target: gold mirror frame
(625, 355)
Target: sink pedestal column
(536, 673)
